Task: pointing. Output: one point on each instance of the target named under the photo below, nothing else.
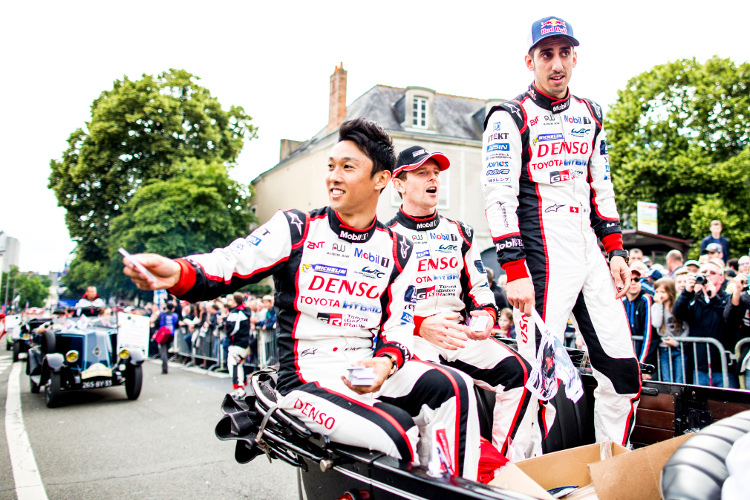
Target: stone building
(449, 124)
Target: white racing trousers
(495, 367)
(572, 276)
(418, 398)
(236, 357)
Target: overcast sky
(275, 59)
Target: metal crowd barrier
(744, 376)
(206, 348)
(695, 341)
(268, 350)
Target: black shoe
(164, 372)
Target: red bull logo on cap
(554, 25)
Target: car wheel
(16, 350)
(33, 386)
(133, 381)
(52, 391)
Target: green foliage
(31, 288)
(679, 136)
(198, 210)
(138, 131)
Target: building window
(419, 112)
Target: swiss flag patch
(574, 210)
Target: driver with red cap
(455, 309)
(549, 203)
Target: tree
(679, 136)
(138, 131)
(29, 287)
(194, 212)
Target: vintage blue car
(82, 354)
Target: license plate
(96, 384)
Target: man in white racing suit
(451, 291)
(549, 197)
(345, 297)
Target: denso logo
(577, 120)
(498, 146)
(580, 132)
(443, 236)
(423, 253)
(315, 415)
(509, 243)
(498, 171)
(498, 164)
(560, 176)
(312, 245)
(374, 258)
(560, 147)
(496, 137)
(437, 264)
(336, 285)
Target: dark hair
(238, 297)
(372, 140)
(734, 264)
(170, 306)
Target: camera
(700, 279)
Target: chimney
(337, 103)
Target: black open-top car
(81, 354)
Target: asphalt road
(100, 445)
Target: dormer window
(419, 112)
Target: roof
(453, 116)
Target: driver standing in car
(90, 303)
(549, 202)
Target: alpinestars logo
(294, 219)
(404, 248)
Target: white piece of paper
(478, 323)
(132, 332)
(361, 375)
(552, 363)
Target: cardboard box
(626, 475)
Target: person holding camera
(702, 305)
(737, 317)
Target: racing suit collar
(348, 233)
(544, 101)
(417, 223)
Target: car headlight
(71, 356)
(124, 354)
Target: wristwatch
(619, 253)
(394, 363)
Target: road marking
(193, 369)
(25, 472)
